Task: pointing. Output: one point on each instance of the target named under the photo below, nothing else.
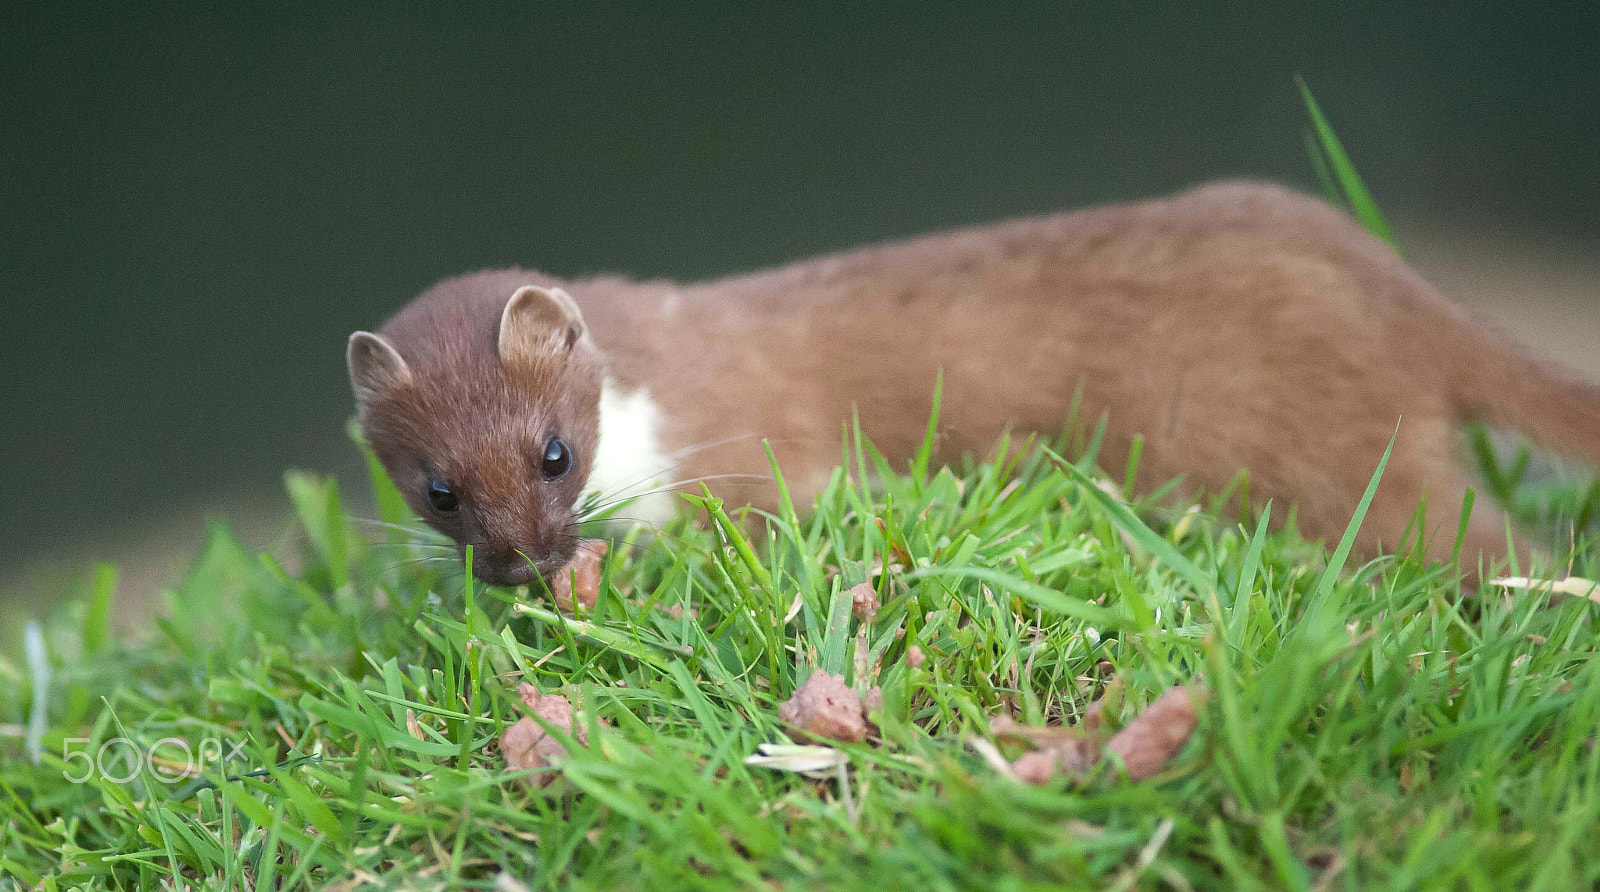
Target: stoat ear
(539, 322)
(375, 366)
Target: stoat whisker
(776, 441)
(419, 530)
(681, 457)
(569, 534)
(584, 543)
(657, 473)
(591, 510)
(678, 459)
(694, 448)
(415, 561)
(625, 518)
(383, 523)
(437, 546)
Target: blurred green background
(202, 202)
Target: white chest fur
(629, 461)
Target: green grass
(1341, 185)
(1369, 726)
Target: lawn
(1370, 726)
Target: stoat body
(1235, 326)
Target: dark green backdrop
(200, 204)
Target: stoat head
(482, 400)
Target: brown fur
(1234, 326)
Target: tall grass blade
(1344, 173)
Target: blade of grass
(1355, 191)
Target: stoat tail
(1500, 386)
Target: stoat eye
(557, 459)
(441, 499)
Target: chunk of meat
(825, 708)
(527, 745)
(579, 581)
(1150, 741)
(1145, 745)
(864, 601)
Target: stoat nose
(513, 571)
(520, 573)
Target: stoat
(1234, 326)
